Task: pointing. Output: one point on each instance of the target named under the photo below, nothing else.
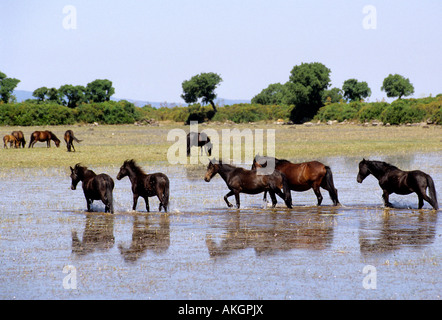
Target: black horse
(393, 180)
(195, 139)
(146, 185)
(95, 187)
(241, 180)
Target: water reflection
(396, 230)
(270, 233)
(98, 235)
(147, 236)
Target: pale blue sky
(147, 48)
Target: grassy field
(110, 145)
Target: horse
(11, 139)
(69, 138)
(95, 187)
(241, 180)
(145, 185)
(20, 138)
(43, 136)
(303, 176)
(199, 140)
(394, 180)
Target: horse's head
(124, 170)
(76, 175)
(363, 171)
(212, 169)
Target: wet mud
(51, 248)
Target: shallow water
(203, 250)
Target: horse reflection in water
(395, 231)
(272, 234)
(147, 236)
(98, 235)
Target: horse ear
(72, 169)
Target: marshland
(51, 248)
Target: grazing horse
(241, 180)
(393, 180)
(43, 136)
(145, 185)
(303, 176)
(95, 187)
(20, 138)
(69, 138)
(195, 139)
(12, 141)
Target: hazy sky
(147, 48)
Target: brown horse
(43, 136)
(241, 180)
(20, 138)
(95, 187)
(11, 139)
(303, 176)
(196, 139)
(145, 185)
(70, 138)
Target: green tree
(40, 93)
(274, 94)
(333, 95)
(54, 95)
(7, 86)
(99, 90)
(201, 86)
(355, 90)
(74, 94)
(396, 85)
(305, 90)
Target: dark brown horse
(195, 139)
(393, 180)
(145, 185)
(43, 136)
(11, 140)
(95, 187)
(20, 138)
(303, 176)
(69, 138)
(241, 180)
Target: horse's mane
(277, 161)
(135, 167)
(381, 165)
(53, 136)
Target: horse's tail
(432, 191)
(166, 195)
(286, 191)
(75, 139)
(327, 184)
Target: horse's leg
(421, 201)
(48, 143)
(88, 204)
(134, 206)
(273, 197)
(146, 199)
(231, 193)
(318, 194)
(237, 199)
(385, 196)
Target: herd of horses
(267, 174)
(17, 139)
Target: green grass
(110, 145)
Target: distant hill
(23, 95)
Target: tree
(355, 90)
(74, 94)
(7, 86)
(333, 95)
(273, 94)
(305, 90)
(40, 93)
(201, 86)
(99, 90)
(396, 85)
(54, 95)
